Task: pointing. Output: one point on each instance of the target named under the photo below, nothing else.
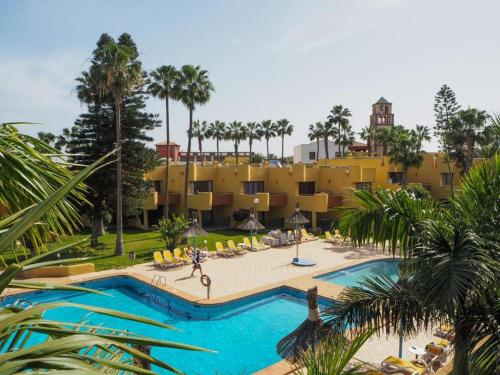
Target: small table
(416, 350)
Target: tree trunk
(404, 180)
(267, 146)
(369, 146)
(236, 152)
(167, 161)
(461, 357)
(317, 149)
(200, 147)
(250, 145)
(470, 154)
(186, 172)
(282, 149)
(119, 215)
(326, 146)
(338, 140)
(217, 143)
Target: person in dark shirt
(197, 262)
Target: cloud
(40, 88)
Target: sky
(267, 59)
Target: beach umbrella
(195, 230)
(310, 332)
(296, 220)
(251, 224)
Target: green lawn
(144, 243)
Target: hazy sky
(267, 59)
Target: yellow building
(221, 195)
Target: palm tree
(237, 133)
(254, 131)
(405, 150)
(269, 131)
(467, 128)
(368, 134)
(217, 131)
(162, 87)
(450, 274)
(200, 130)
(384, 136)
(117, 75)
(283, 127)
(192, 88)
(339, 116)
(316, 131)
(347, 137)
(422, 134)
(46, 137)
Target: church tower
(381, 117)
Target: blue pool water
(352, 276)
(244, 333)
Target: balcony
(151, 202)
(174, 198)
(206, 200)
(278, 199)
(315, 202)
(222, 199)
(246, 201)
(334, 200)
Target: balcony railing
(335, 199)
(174, 198)
(278, 199)
(222, 199)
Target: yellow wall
(332, 177)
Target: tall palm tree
(347, 137)
(451, 272)
(316, 131)
(216, 130)
(268, 131)
(283, 127)
(237, 133)
(468, 126)
(254, 132)
(200, 130)
(339, 116)
(384, 136)
(192, 88)
(162, 87)
(368, 134)
(117, 75)
(422, 134)
(405, 150)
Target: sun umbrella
(194, 230)
(298, 219)
(251, 224)
(307, 334)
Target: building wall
(334, 181)
(301, 152)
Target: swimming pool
(352, 276)
(244, 332)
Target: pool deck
(240, 276)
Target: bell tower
(381, 117)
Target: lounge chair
(221, 251)
(183, 258)
(437, 352)
(261, 246)
(330, 238)
(247, 245)
(160, 262)
(167, 255)
(235, 249)
(445, 331)
(307, 236)
(395, 365)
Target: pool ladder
(157, 279)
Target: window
(307, 188)
(367, 186)
(312, 155)
(252, 187)
(446, 178)
(158, 186)
(201, 186)
(382, 110)
(395, 177)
